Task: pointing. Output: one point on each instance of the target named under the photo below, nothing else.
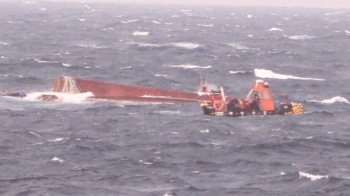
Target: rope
(70, 86)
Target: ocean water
(84, 146)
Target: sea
(89, 147)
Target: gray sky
(284, 3)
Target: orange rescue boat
(259, 101)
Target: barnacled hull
(112, 91)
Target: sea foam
(62, 97)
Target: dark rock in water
(48, 97)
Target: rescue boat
(259, 101)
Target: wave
(156, 22)
(91, 46)
(149, 45)
(237, 46)
(129, 21)
(333, 100)
(263, 73)
(334, 13)
(66, 64)
(189, 66)
(160, 75)
(204, 25)
(241, 72)
(63, 97)
(300, 37)
(44, 61)
(311, 176)
(186, 45)
(275, 29)
(167, 112)
(56, 159)
(139, 33)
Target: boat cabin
(262, 92)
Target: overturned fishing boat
(113, 91)
(259, 101)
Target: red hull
(112, 91)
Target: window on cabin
(266, 95)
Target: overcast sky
(284, 3)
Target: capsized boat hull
(112, 91)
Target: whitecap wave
(263, 73)
(62, 97)
(167, 112)
(239, 72)
(140, 33)
(336, 99)
(149, 45)
(189, 66)
(128, 21)
(311, 176)
(156, 22)
(56, 159)
(301, 37)
(129, 67)
(237, 46)
(41, 61)
(91, 46)
(160, 75)
(56, 140)
(275, 29)
(334, 13)
(205, 25)
(186, 45)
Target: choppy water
(86, 147)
